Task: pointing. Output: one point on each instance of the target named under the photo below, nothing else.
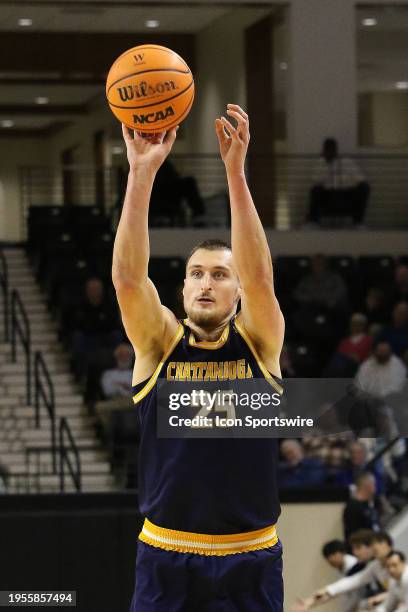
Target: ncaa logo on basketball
(154, 117)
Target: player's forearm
(250, 249)
(131, 249)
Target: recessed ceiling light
(6, 123)
(25, 22)
(369, 22)
(283, 65)
(42, 100)
(152, 23)
(401, 84)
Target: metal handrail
(64, 456)
(40, 393)
(23, 333)
(382, 452)
(4, 283)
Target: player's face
(211, 288)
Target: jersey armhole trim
(270, 379)
(152, 380)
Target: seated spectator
(296, 470)
(352, 350)
(322, 287)
(116, 383)
(357, 465)
(375, 307)
(339, 187)
(396, 334)
(169, 190)
(381, 374)
(399, 291)
(363, 510)
(96, 328)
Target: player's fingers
(219, 128)
(126, 133)
(242, 122)
(237, 108)
(170, 136)
(231, 131)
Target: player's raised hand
(233, 140)
(148, 151)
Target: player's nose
(206, 282)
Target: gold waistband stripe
(205, 544)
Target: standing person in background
(339, 187)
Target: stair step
(19, 368)
(11, 446)
(34, 437)
(61, 390)
(16, 464)
(57, 379)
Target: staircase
(17, 420)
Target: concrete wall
(303, 529)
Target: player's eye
(196, 273)
(219, 274)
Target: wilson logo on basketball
(144, 90)
(138, 58)
(154, 117)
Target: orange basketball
(150, 88)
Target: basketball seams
(153, 103)
(151, 110)
(144, 72)
(131, 51)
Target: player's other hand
(233, 139)
(148, 151)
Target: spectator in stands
(357, 465)
(322, 287)
(361, 543)
(352, 350)
(296, 470)
(169, 190)
(397, 596)
(399, 292)
(396, 334)
(376, 571)
(117, 382)
(339, 188)
(375, 307)
(96, 327)
(381, 374)
(335, 553)
(363, 510)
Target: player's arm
(250, 250)
(145, 320)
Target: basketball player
(209, 539)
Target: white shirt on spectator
(397, 598)
(117, 383)
(381, 379)
(339, 174)
(349, 601)
(373, 572)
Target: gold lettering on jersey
(209, 370)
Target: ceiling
(65, 53)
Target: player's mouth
(205, 300)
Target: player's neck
(209, 335)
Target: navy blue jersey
(211, 486)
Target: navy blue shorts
(168, 581)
